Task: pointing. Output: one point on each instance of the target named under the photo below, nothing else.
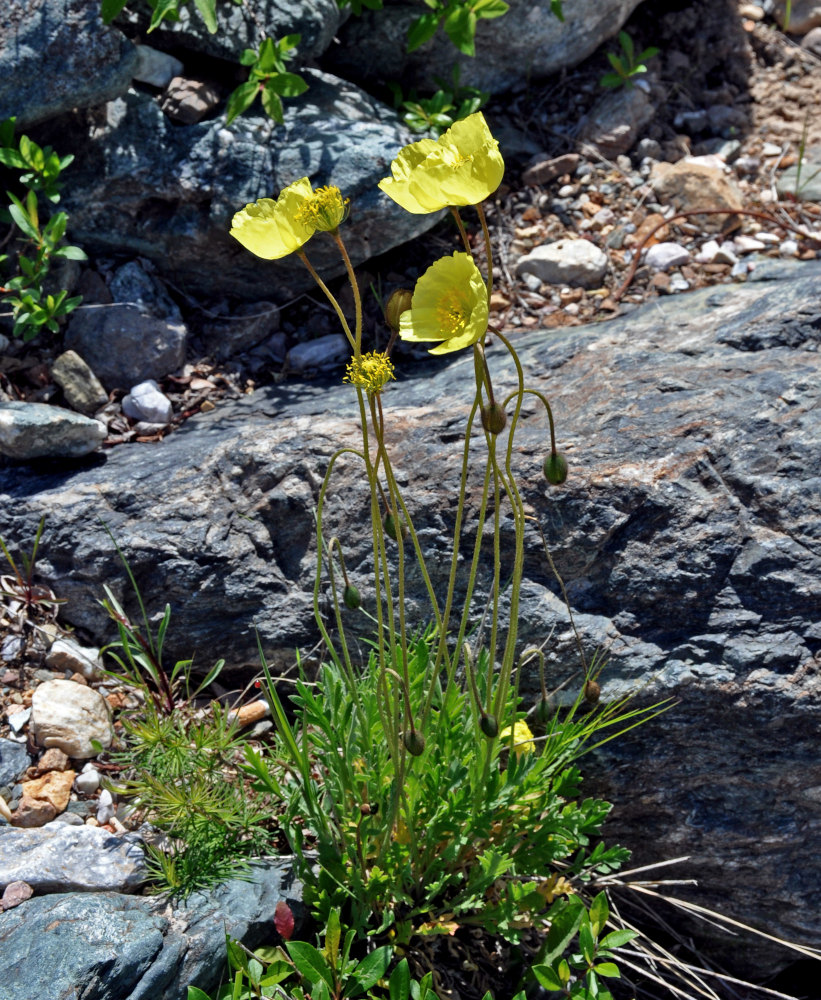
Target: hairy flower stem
(519, 526)
(357, 299)
(488, 249)
(535, 392)
(330, 297)
(462, 230)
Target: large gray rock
(242, 26)
(144, 185)
(686, 534)
(62, 858)
(45, 72)
(526, 44)
(108, 946)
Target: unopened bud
(555, 468)
(489, 726)
(494, 418)
(350, 597)
(414, 743)
(543, 712)
(399, 302)
(390, 524)
(369, 808)
(592, 691)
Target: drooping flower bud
(350, 597)
(489, 726)
(399, 302)
(592, 691)
(390, 524)
(494, 418)
(555, 468)
(414, 743)
(543, 712)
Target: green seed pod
(350, 597)
(414, 743)
(555, 468)
(399, 302)
(389, 524)
(543, 712)
(494, 418)
(592, 691)
(489, 726)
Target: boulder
(112, 946)
(37, 430)
(686, 535)
(146, 186)
(528, 43)
(44, 72)
(239, 27)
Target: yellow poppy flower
(522, 738)
(449, 304)
(273, 229)
(462, 167)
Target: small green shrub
(39, 244)
(628, 65)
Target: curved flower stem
(488, 249)
(462, 231)
(330, 296)
(535, 392)
(357, 299)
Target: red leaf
(284, 920)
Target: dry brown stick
(766, 216)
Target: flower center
(452, 314)
(324, 210)
(370, 372)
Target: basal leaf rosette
(275, 228)
(462, 167)
(449, 304)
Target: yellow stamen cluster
(452, 314)
(370, 372)
(325, 210)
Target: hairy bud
(399, 302)
(494, 418)
(555, 468)
(414, 743)
(489, 726)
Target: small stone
(37, 430)
(324, 352)
(69, 818)
(5, 812)
(739, 270)
(565, 262)
(543, 171)
(788, 248)
(663, 256)
(71, 717)
(678, 283)
(615, 122)
(82, 390)
(751, 11)
(66, 654)
(146, 402)
(748, 244)
(707, 252)
(105, 807)
(691, 186)
(52, 760)
(499, 302)
(648, 148)
(812, 42)
(803, 180)
(725, 254)
(88, 781)
(14, 760)
(567, 191)
(189, 101)
(14, 894)
(156, 68)
(533, 282)
(43, 798)
(771, 149)
(17, 720)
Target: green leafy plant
(268, 79)
(628, 65)
(139, 653)
(162, 10)
(180, 770)
(435, 114)
(458, 19)
(33, 307)
(415, 796)
(21, 588)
